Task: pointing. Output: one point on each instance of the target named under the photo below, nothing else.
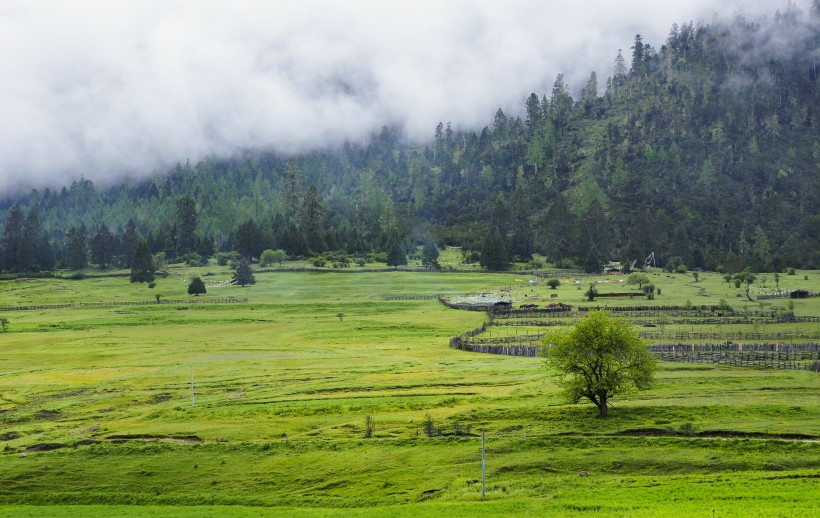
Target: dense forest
(704, 151)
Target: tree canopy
(196, 287)
(703, 149)
(601, 357)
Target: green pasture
(96, 415)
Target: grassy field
(96, 416)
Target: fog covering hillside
(704, 148)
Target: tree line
(704, 151)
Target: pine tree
(494, 254)
(429, 255)
(28, 255)
(312, 217)
(291, 189)
(77, 248)
(243, 274)
(102, 247)
(130, 239)
(12, 235)
(142, 265)
(396, 255)
(196, 287)
(185, 239)
(249, 240)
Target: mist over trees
(704, 150)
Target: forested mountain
(705, 150)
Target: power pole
(483, 465)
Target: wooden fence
(731, 335)
(122, 303)
(772, 356)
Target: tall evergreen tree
(312, 217)
(12, 235)
(102, 247)
(129, 242)
(28, 254)
(291, 189)
(142, 265)
(185, 224)
(250, 240)
(76, 244)
(494, 254)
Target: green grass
(283, 387)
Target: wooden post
(483, 465)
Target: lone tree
(553, 283)
(637, 278)
(243, 274)
(600, 358)
(196, 287)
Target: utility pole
(192, 385)
(483, 465)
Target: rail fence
(773, 356)
(122, 303)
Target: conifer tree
(142, 265)
(102, 247)
(12, 235)
(196, 287)
(77, 247)
(243, 274)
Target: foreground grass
(283, 386)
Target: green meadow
(97, 416)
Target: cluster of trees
(704, 151)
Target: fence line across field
(122, 303)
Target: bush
(566, 264)
(681, 268)
(152, 285)
(429, 426)
(791, 271)
(687, 429)
(535, 264)
(224, 258)
(318, 262)
(361, 262)
(77, 276)
(553, 283)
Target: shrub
(553, 283)
(681, 268)
(687, 429)
(152, 284)
(429, 426)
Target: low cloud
(108, 89)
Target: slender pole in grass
(483, 465)
(192, 385)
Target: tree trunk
(602, 407)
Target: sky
(109, 89)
